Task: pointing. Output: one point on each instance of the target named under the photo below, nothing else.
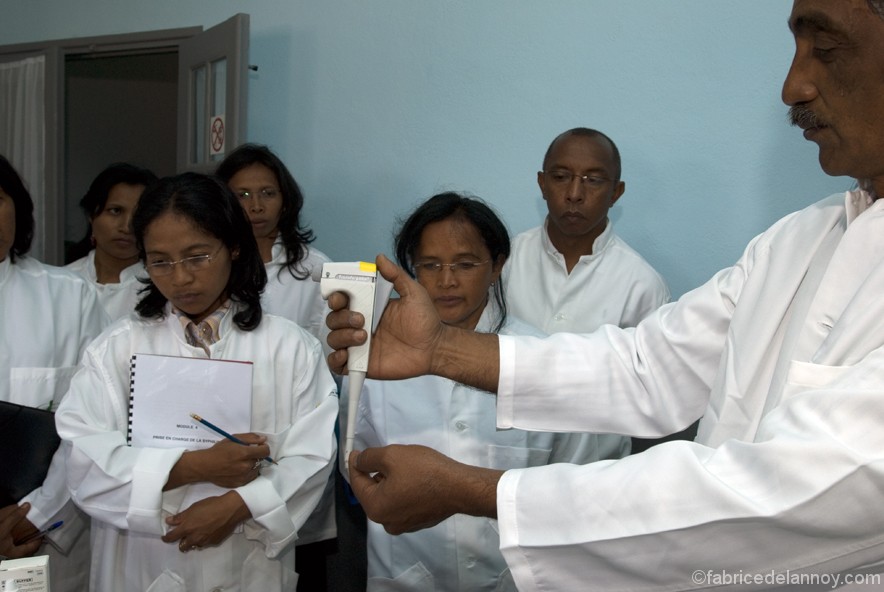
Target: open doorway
(155, 98)
(117, 108)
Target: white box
(29, 574)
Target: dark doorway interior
(117, 108)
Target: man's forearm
(468, 357)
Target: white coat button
(471, 562)
(559, 317)
(461, 426)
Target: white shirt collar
(132, 272)
(5, 269)
(598, 245)
(856, 202)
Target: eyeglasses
(263, 194)
(561, 178)
(191, 264)
(462, 267)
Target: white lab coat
(293, 404)
(300, 301)
(119, 299)
(48, 316)
(462, 552)
(782, 356)
(613, 285)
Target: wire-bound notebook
(165, 390)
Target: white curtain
(22, 132)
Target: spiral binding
(131, 399)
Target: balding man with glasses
(573, 273)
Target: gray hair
(877, 7)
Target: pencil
(221, 432)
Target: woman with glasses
(107, 255)
(202, 300)
(456, 247)
(272, 200)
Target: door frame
(228, 41)
(56, 53)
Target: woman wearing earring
(107, 255)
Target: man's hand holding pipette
(411, 339)
(398, 350)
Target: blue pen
(43, 532)
(230, 437)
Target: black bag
(28, 440)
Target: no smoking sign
(217, 134)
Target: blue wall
(375, 105)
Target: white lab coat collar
(5, 269)
(277, 252)
(600, 243)
(856, 202)
(490, 315)
(132, 272)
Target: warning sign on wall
(216, 138)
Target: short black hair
(295, 237)
(469, 209)
(211, 206)
(588, 133)
(93, 202)
(13, 185)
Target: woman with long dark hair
(272, 200)
(202, 300)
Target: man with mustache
(782, 355)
